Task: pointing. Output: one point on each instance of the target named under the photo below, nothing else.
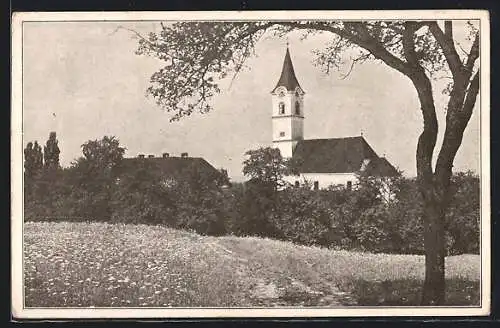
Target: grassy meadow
(113, 265)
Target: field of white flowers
(111, 265)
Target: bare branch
(241, 63)
(355, 61)
(139, 35)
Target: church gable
(380, 167)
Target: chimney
(151, 156)
(140, 155)
(165, 155)
(184, 155)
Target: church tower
(288, 110)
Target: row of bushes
(360, 219)
(363, 219)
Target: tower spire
(288, 78)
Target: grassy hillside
(96, 264)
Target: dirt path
(286, 291)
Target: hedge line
(361, 219)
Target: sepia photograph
(250, 164)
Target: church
(321, 162)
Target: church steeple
(287, 110)
(287, 79)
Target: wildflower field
(113, 265)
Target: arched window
(297, 108)
(282, 108)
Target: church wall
(283, 143)
(324, 179)
(282, 125)
(285, 147)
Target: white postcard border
(18, 310)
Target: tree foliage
(93, 177)
(102, 154)
(33, 159)
(51, 152)
(267, 166)
(45, 189)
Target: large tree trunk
(433, 192)
(434, 210)
(434, 186)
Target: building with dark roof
(321, 162)
(170, 168)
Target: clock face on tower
(281, 92)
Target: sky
(84, 80)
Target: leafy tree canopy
(101, 154)
(266, 165)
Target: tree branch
(139, 35)
(361, 38)
(409, 44)
(428, 137)
(470, 98)
(365, 40)
(449, 51)
(473, 56)
(354, 61)
(448, 29)
(456, 122)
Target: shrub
(302, 216)
(204, 212)
(463, 216)
(255, 201)
(48, 195)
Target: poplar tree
(51, 152)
